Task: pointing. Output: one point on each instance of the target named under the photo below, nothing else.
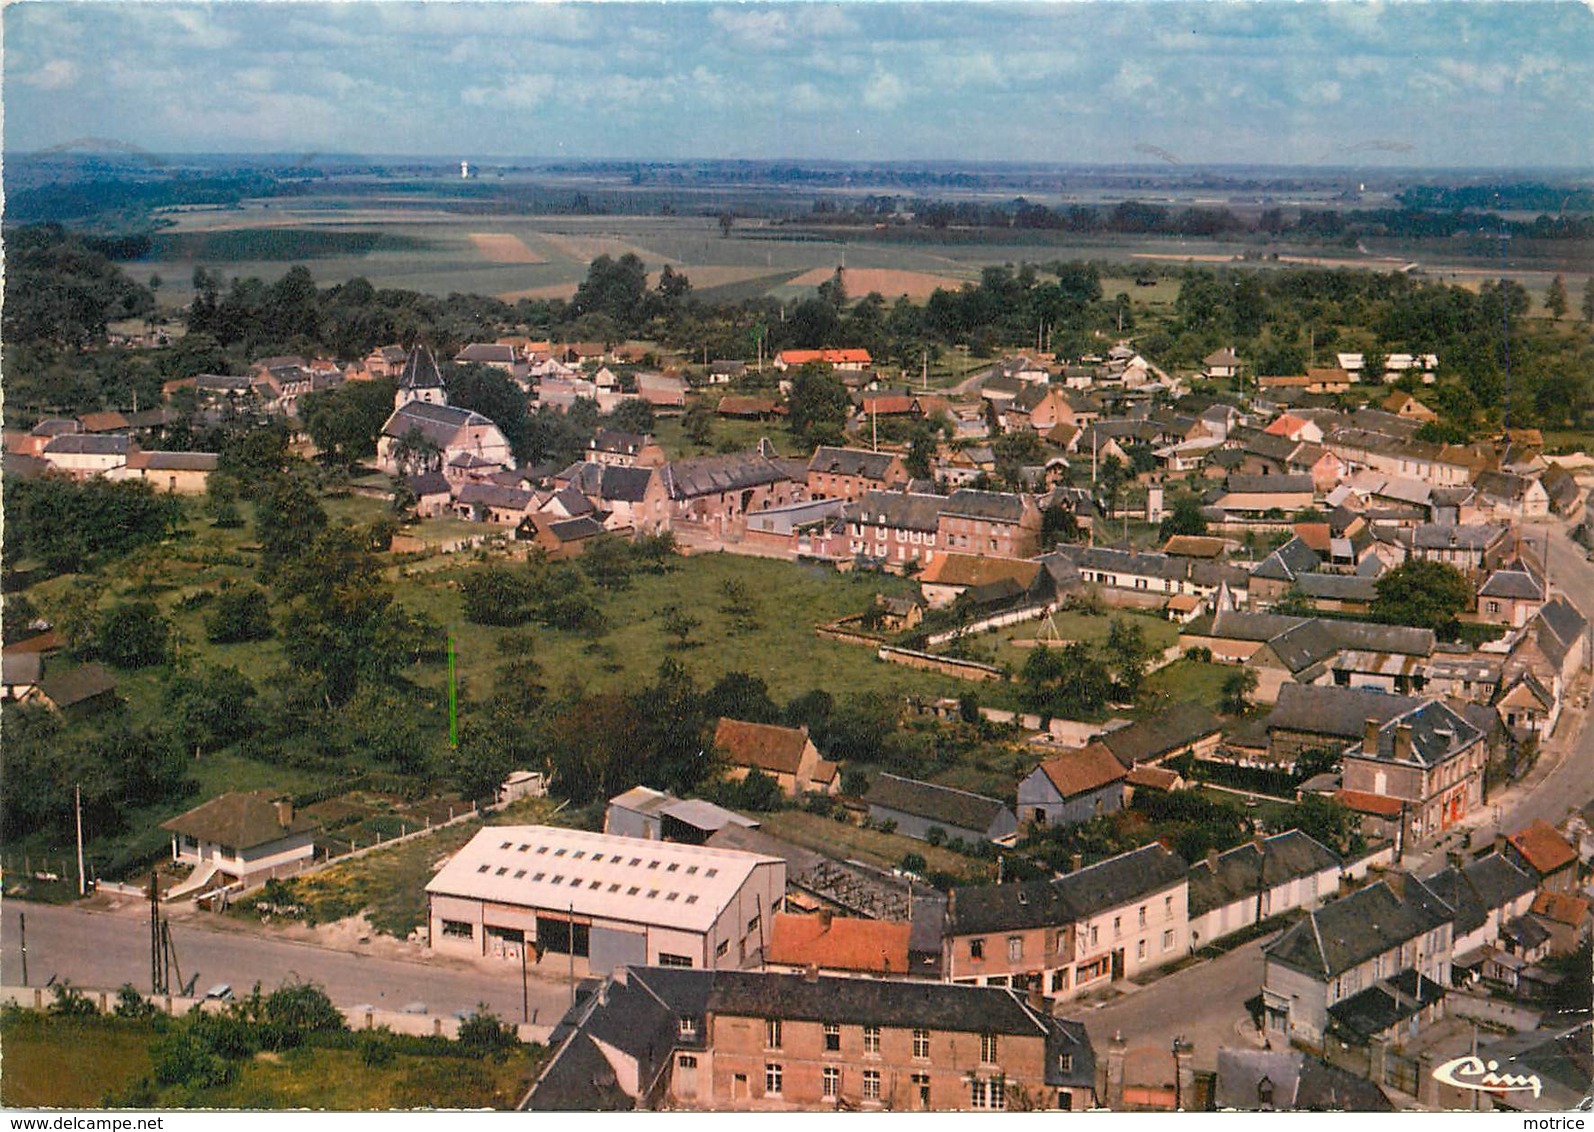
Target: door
(1117, 964)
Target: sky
(1443, 83)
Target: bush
(71, 1002)
(184, 1058)
(131, 1004)
(913, 863)
(241, 613)
(935, 835)
(483, 1034)
(133, 634)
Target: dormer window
(687, 1027)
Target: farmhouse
(850, 473)
(244, 835)
(603, 901)
(715, 494)
(786, 754)
(186, 473)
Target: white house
(243, 835)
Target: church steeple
(420, 380)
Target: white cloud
(57, 74)
(523, 92)
(884, 92)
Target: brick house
(717, 493)
(851, 473)
(1547, 857)
(990, 522)
(1429, 759)
(751, 1041)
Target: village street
(103, 948)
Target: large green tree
(818, 405)
(1423, 594)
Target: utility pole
(572, 949)
(525, 1001)
(157, 983)
(77, 793)
(22, 928)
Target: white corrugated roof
(619, 878)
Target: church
(427, 434)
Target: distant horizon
(1312, 84)
(442, 160)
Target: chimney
(1402, 742)
(1370, 737)
(825, 915)
(284, 813)
(1036, 999)
(1079, 862)
(621, 974)
(811, 973)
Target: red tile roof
(1365, 803)
(1561, 907)
(1079, 772)
(1543, 848)
(842, 944)
(830, 357)
(761, 745)
(1154, 778)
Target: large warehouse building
(607, 900)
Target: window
(752, 925)
(831, 1081)
(772, 1033)
(998, 1093)
(1142, 915)
(1065, 1063)
(1093, 935)
(988, 1049)
(459, 929)
(871, 1084)
(1140, 949)
(686, 1026)
(1167, 906)
(1015, 948)
(921, 1082)
(977, 1092)
(668, 960)
(686, 1061)
(774, 1076)
(832, 1036)
(1117, 927)
(976, 949)
(921, 1043)
(1060, 980)
(479, 868)
(1167, 940)
(871, 1040)
(724, 946)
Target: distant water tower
(464, 170)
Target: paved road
(1204, 1004)
(99, 948)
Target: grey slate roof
(1289, 561)
(850, 462)
(78, 685)
(1106, 884)
(420, 370)
(1300, 1083)
(1338, 587)
(711, 475)
(492, 495)
(1563, 619)
(83, 444)
(997, 505)
(627, 1016)
(1339, 712)
(1246, 869)
(1385, 1004)
(1348, 931)
(429, 483)
(1513, 584)
(941, 804)
(1437, 733)
(1441, 536)
(1179, 723)
(617, 442)
(904, 510)
(438, 423)
(1121, 879)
